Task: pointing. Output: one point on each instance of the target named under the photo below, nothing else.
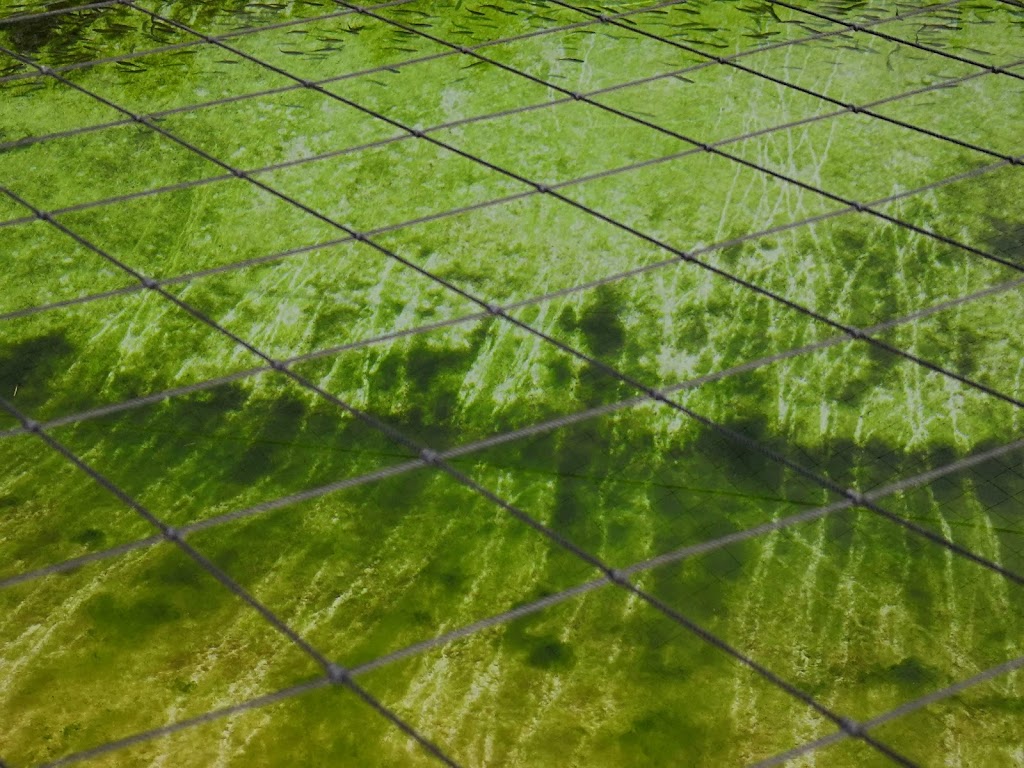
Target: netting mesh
(511, 383)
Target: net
(512, 383)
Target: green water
(851, 608)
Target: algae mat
(514, 383)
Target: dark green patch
(661, 733)
(92, 538)
(913, 673)
(27, 368)
(541, 651)
(280, 426)
(1008, 241)
(601, 323)
(130, 619)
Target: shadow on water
(28, 368)
(31, 35)
(1008, 240)
(171, 590)
(65, 38)
(81, 36)
(279, 427)
(601, 323)
(597, 476)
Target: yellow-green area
(628, 278)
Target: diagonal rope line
(853, 108)
(857, 27)
(129, 56)
(140, 738)
(427, 454)
(1012, 160)
(855, 496)
(854, 333)
(249, 31)
(18, 18)
(585, 588)
(730, 434)
(281, 255)
(239, 375)
(432, 458)
(448, 53)
(335, 674)
(950, 82)
(945, 693)
(156, 397)
(77, 562)
(550, 425)
(912, 706)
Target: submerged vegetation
(517, 287)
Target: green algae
(36, 106)
(852, 609)
(868, 657)
(977, 507)
(447, 387)
(641, 482)
(302, 729)
(119, 161)
(304, 126)
(966, 340)
(493, 252)
(985, 108)
(105, 354)
(148, 622)
(848, 403)
(390, 564)
(332, 312)
(48, 523)
(603, 680)
(968, 723)
(843, 267)
(36, 247)
(178, 232)
(230, 447)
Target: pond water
(513, 383)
